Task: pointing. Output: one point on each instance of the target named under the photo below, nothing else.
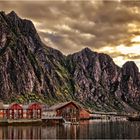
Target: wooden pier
(58, 119)
(20, 121)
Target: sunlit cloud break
(111, 27)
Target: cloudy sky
(111, 27)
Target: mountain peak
(130, 65)
(87, 50)
(2, 12)
(12, 14)
(130, 68)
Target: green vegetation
(27, 98)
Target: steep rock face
(129, 84)
(27, 66)
(16, 72)
(31, 71)
(95, 79)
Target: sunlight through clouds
(136, 39)
(111, 27)
(119, 60)
(126, 50)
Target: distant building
(34, 111)
(68, 110)
(14, 111)
(18, 111)
(84, 114)
(2, 111)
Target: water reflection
(20, 132)
(86, 130)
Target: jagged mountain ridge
(29, 70)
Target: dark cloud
(72, 25)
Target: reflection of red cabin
(15, 111)
(34, 111)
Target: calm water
(86, 130)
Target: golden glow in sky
(129, 50)
(107, 26)
(136, 39)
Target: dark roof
(14, 103)
(39, 105)
(60, 105)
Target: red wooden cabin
(34, 111)
(84, 114)
(68, 110)
(15, 111)
(2, 111)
